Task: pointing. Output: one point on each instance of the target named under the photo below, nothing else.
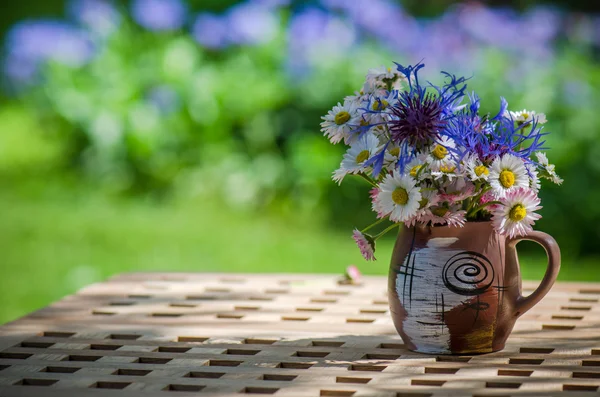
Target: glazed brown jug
(458, 290)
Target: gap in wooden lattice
(367, 367)
(124, 336)
(309, 309)
(36, 345)
(529, 361)
(580, 387)
(217, 289)
(566, 317)
(110, 385)
(453, 359)
(352, 379)
(183, 305)
(173, 349)
(122, 303)
(165, 314)
(537, 350)
(360, 320)
(140, 296)
(242, 352)
(372, 311)
(81, 357)
(132, 372)
(246, 308)
(189, 339)
(153, 360)
(416, 394)
(557, 327)
(259, 341)
(336, 292)
(311, 354)
(427, 382)
(441, 370)
(337, 393)
(585, 300)
(279, 377)
(206, 375)
(60, 370)
(103, 313)
(514, 372)
(583, 308)
(223, 363)
(97, 346)
(277, 291)
(36, 382)
(15, 356)
(295, 365)
(327, 343)
(323, 300)
(379, 356)
(184, 387)
(3, 367)
(380, 302)
(57, 334)
(586, 375)
(502, 385)
(294, 318)
(259, 390)
(230, 316)
(589, 291)
(590, 363)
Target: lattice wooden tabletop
(163, 334)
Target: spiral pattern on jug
(468, 273)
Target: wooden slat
(160, 334)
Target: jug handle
(522, 303)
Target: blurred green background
(173, 135)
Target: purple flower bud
(159, 15)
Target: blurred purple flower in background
(99, 16)
(315, 36)
(159, 15)
(251, 23)
(30, 43)
(210, 30)
(164, 98)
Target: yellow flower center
(415, 170)
(439, 211)
(447, 169)
(507, 178)
(517, 213)
(481, 170)
(380, 105)
(400, 196)
(342, 117)
(439, 152)
(395, 152)
(362, 156)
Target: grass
(56, 238)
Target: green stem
(474, 211)
(366, 178)
(387, 229)
(373, 224)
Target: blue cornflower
(420, 115)
(493, 137)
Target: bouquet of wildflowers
(431, 158)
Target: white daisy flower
(442, 215)
(398, 196)
(440, 155)
(363, 149)
(507, 173)
(381, 76)
(549, 169)
(339, 121)
(476, 170)
(380, 104)
(524, 116)
(429, 199)
(515, 216)
(534, 179)
(418, 167)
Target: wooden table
(170, 334)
